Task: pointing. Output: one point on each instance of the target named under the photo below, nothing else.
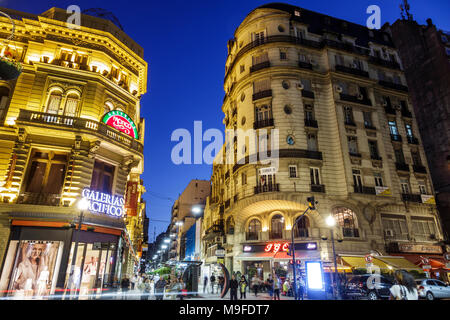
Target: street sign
(426, 267)
(220, 253)
(269, 170)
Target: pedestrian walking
(255, 284)
(125, 286)
(405, 287)
(182, 288)
(212, 281)
(270, 286)
(159, 288)
(276, 288)
(286, 287)
(221, 283)
(144, 287)
(243, 287)
(205, 284)
(233, 288)
(301, 289)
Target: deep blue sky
(185, 44)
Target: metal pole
(293, 252)
(336, 279)
(74, 257)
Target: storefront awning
(398, 263)
(436, 262)
(359, 262)
(255, 256)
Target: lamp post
(311, 206)
(331, 222)
(83, 205)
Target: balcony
(350, 232)
(419, 169)
(396, 137)
(79, 124)
(355, 154)
(402, 166)
(407, 197)
(40, 199)
(376, 157)
(300, 153)
(355, 99)
(319, 188)
(350, 122)
(364, 190)
(252, 236)
(394, 86)
(384, 63)
(263, 124)
(396, 237)
(216, 228)
(412, 140)
(262, 94)
(345, 46)
(308, 94)
(305, 65)
(260, 66)
(311, 123)
(353, 71)
(274, 187)
(369, 127)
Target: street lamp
(196, 210)
(311, 206)
(331, 222)
(83, 205)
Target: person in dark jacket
(159, 288)
(233, 288)
(205, 283)
(125, 286)
(212, 281)
(221, 283)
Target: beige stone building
(70, 129)
(347, 135)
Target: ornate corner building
(336, 94)
(70, 129)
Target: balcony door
(45, 178)
(357, 180)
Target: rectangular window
(416, 158)
(244, 179)
(397, 226)
(259, 37)
(348, 115)
(352, 144)
(312, 142)
(260, 58)
(315, 176)
(399, 157)
(422, 187)
(408, 129)
(405, 186)
(339, 60)
(378, 179)
(259, 86)
(306, 84)
(393, 127)
(102, 177)
(367, 119)
(423, 227)
(373, 147)
(283, 55)
(357, 180)
(292, 171)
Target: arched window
(346, 219)
(54, 101)
(277, 226)
(301, 228)
(230, 225)
(254, 228)
(4, 98)
(71, 105)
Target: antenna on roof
(104, 14)
(405, 7)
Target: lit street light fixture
(331, 222)
(83, 205)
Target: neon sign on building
(100, 202)
(122, 122)
(276, 247)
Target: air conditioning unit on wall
(389, 233)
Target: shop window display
(31, 269)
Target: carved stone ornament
(369, 214)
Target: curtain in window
(262, 85)
(54, 103)
(71, 106)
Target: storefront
(38, 260)
(264, 259)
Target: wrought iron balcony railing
(391, 85)
(318, 188)
(273, 187)
(263, 124)
(260, 66)
(354, 71)
(311, 123)
(262, 94)
(411, 197)
(355, 99)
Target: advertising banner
(428, 199)
(131, 198)
(383, 191)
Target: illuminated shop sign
(122, 122)
(100, 202)
(276, 247)
(314, 275)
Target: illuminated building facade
(347, 135)
(70, 129)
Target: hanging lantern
(10, 69)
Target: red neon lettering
(276, 247)
(285, 247)
(268, 247)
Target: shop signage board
(122, 122)
(131, 198)
(419, 248)
(426, 267)
(428, 199)
(267, 171)
(100, 202)
(220, 253)
(275, 247)
(383, 191)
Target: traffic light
(311, 203)
(289, 251)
